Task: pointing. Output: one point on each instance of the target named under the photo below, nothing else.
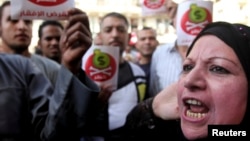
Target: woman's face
(212, 88)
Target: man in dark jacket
(30, 109)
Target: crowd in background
(163, 91)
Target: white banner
(40, 9)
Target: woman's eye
(187, 68)
(220, 70)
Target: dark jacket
(142, 124)
(30, 109)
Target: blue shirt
(166, 66)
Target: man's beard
(18, 49)
(56, 58)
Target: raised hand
(76, 39)
(165, 103)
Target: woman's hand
(165, 104)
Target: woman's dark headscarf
(237, 36)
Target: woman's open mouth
(195, 109)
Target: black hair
(236, 36)
(117, 15)
(46, 23)
(4, 4)
(147, 28)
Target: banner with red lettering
(40, 9)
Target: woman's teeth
(195, 109)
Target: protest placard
(192, 17)
(40, 9)
(153, 7)
(101, 65)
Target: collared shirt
(166, 67)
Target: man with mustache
(131, 78)
(16, 37)
(49, 33)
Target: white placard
(153, 7)
(40, 9)
(192, 17)
(101, 64)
